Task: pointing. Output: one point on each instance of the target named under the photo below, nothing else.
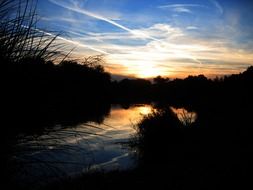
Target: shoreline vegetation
(214, 151)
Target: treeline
(37, 80)
(35, 92)
(191, 90)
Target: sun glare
(148, 71)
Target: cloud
(76, 43)
(75, 8)
(64, 19)
(83, 45)
(171, 58)
(161, 31)
(192, 28)
(112, 15)
(176, 60)
(99, 17)
(218, 6)
(161, 48)
(138, 33)
(181, 8)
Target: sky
(147, 38)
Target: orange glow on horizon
(147, 72)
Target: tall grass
(20, 38)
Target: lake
(71, 150)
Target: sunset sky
(146, 38)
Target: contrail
(134, 32)
(180, 5)
(74, 42)
(82, 45)
(217, 5)
(90, 14)
(69, 41)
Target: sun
(148, 71)
(145, 67)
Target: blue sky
(146, 38)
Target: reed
(20, 38)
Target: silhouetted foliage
(131, 90)
(160, 80)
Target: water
(89, 146)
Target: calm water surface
(72, 150)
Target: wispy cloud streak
(74, 42)
(83, 45)
(217, 5)
(90, 14)
(180, 6)
(137, 33)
